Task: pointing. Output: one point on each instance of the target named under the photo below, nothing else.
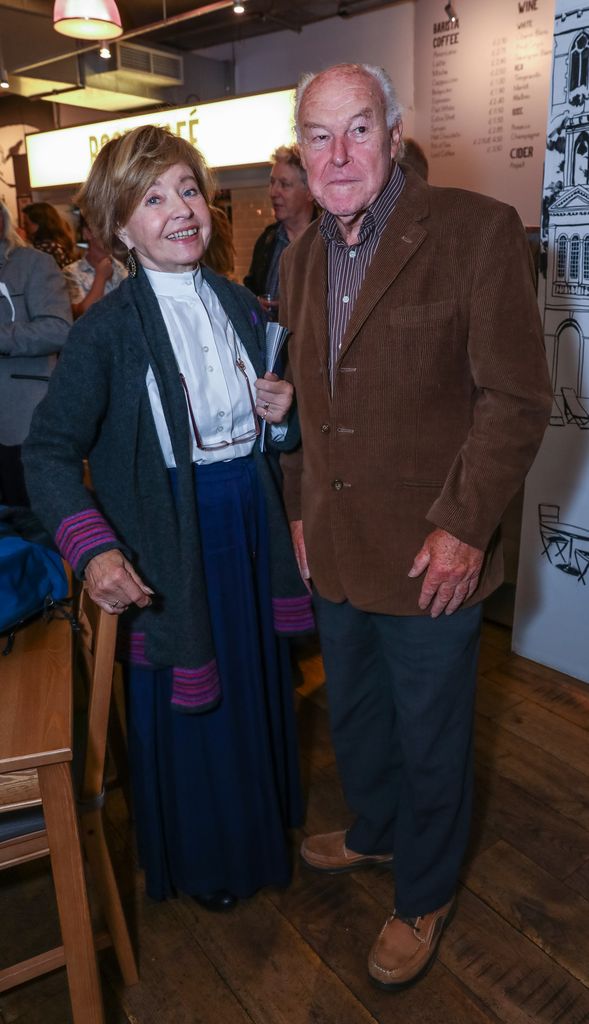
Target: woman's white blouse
(205, 346)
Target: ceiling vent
(156, 67)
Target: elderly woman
(161, 385)
(35, 317)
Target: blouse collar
(175, 286)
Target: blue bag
(32, 577)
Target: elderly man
(423, 393)
(293, 209)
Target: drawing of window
(561, 259)
(568, 358)
(574, 260)
(579, 63)
(581, 160)
(586, 258)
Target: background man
(294, 209)
(92, 276)
(423, 393)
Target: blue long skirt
(215, 792)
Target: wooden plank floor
(517, 951)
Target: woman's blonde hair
(125, 169)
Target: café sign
(229, 133)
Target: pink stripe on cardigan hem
(191, 687)
(293, 614)
(196, 687)
(131, 648)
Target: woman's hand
(113, 584)
(273, 398)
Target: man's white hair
(393, 109)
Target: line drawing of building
(564, 281)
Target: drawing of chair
(574, 409)
(552, 539)
(580, 558)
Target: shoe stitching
(413, 923)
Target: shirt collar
(376, 215)
(175, 286)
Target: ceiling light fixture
(238, 8)
(87, 19)
(4, 83)
(450, 13)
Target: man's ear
(396, 136)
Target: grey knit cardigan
(98, 407)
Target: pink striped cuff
(196, 688)
(81, 533)
(293, 614)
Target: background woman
(161, 386)
(47, 231)
(35, 318)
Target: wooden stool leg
(70, 887)
(96, 849)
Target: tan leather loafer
(407, 947)
(329, 853)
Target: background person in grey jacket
(35, 317)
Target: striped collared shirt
(347, 264)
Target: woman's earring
(131, 264)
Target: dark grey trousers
(401, 699)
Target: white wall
(275, 61)
(9, 135)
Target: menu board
(482, 85)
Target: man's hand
(298, 543)
(113, 584)
(453, 570)
(273, 398)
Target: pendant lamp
(87, 19)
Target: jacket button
(325, 428)
(337, 485)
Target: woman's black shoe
(219, 900)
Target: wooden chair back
(94, 653)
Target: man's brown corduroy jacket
(440, 397)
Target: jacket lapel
(315, 300)
(400, 240)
